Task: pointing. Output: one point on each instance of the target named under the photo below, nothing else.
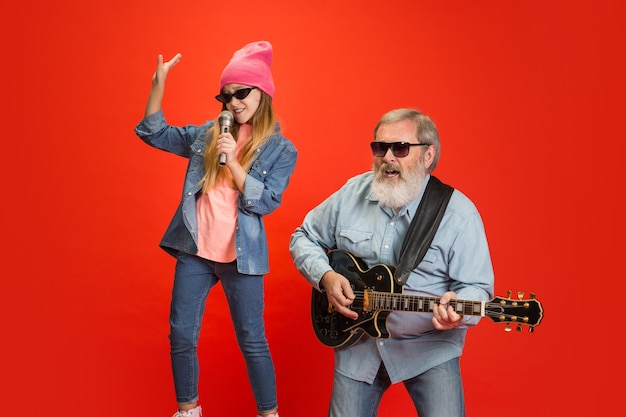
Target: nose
(389, 156)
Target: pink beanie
(251, 66)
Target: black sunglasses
(239, 95)
(399, 149)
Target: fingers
(346, 290)
(175, 60)
(162, 69)
(444, 316)
(169, 64)
(226, 144)
(339, 293)
(342, 305)
(342, 298)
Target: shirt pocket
(431, 261)
(357, 242)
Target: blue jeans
(193, 280)
(437, 392)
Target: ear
(429, 157)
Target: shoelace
(181, 414)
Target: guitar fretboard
(375, 300)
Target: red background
(529, 99)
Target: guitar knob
(507, 328)
(520, 294)
(531, 329)
(519, 328)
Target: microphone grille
(225, 118)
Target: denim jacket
(267, 178)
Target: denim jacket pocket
(259, 169)
(196, 159)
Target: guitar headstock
(520, 311)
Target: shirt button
(381, 343)
(392, 223)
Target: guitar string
(385, 301)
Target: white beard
(398, 192)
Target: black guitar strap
(422, 228)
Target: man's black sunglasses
(239, 95)
(399, 149)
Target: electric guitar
(376, 297)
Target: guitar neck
(376, 300)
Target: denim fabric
(193, 281)
(437, 392)
(265, 183)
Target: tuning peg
(532, 295)
(518, 328)
(507, 328)
(508, 294)
(520, 294)
(531, 329)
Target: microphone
(225, 121)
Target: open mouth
(391, 173)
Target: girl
(217, 232)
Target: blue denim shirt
(457, 260)
(266, 181)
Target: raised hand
(158, 83)
(163, 68)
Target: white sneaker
(194, 412)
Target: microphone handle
(222, 156)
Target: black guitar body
(377, 295)
(334, 329)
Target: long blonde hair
(263, 126)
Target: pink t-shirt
(217, 213)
